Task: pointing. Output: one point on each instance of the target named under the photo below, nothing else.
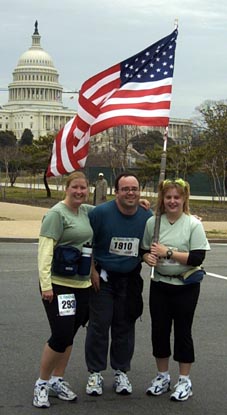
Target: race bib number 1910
(66, 305)
(124, 246)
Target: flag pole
(161, 178)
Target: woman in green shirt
(65, 298)
(180, 251)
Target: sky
(84, 37)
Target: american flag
(135, 91)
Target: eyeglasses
(129, 189)
(181, 182)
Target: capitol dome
(35, 56)
(35, 78)
(35, 95)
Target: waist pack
(65, 260)
(193, 276)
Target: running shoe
(40, 399)
(122, 385)
(62, 390)
(95, 384)
(183, 390)
(159, 385)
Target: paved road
(23, 330)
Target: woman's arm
(45, 257)
(194, 257)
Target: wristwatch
(169, 253)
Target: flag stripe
(102, 78)
(132, 112)
(103, 90)
(118, 102)
(143, 92)
(157, 121)
(63, 149)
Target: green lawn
(209, 210)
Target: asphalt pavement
(24, 329)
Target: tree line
(201, 149)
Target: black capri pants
(173, 304)
(64, 328)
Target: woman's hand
(48, 295)
(150, 259)
(159, 250)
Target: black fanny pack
(65, 260)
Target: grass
(216, 235)
(30, 196)
(208, 210)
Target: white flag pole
(161, 178)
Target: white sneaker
(183, 390)
(122, 385)
(159, 385)
(62, 390)
(94, 384)
(40, 399)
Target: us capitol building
(35, 95)
(35, 99)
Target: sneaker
(122, 385)
(40, 399)
(94, 384)
(159, 385)
(183, 390)
(62, 390)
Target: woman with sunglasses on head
(175, 288)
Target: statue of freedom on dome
(36, 28)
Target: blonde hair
(75, 175)
(182, 187)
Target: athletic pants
(173, 304)
(64, 328)
(108, 313)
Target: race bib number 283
(66, 305)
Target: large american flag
(135, 91)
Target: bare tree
(213, 127)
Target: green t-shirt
(67, 228)
(185, 235)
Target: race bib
(66, 305)
(124, 246)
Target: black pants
(64, 328)
(108, 314)
(173, 304)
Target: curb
(36, 240)
(21, 240)
(217, 241)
